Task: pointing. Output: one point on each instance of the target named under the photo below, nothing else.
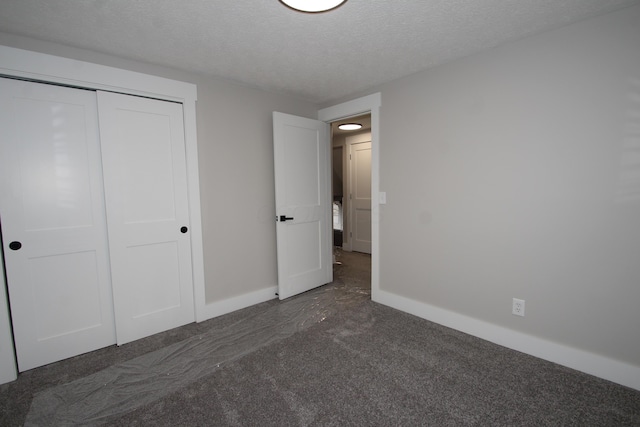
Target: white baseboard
(218, 308)
(580, 360)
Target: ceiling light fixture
(350, 126)
(312, 6)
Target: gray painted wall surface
(512, 173)
(516, 173)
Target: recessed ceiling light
(350, 126)
(312, 6)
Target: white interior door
(145, 179)
(303, 203)
(360, 195)
(53, 223)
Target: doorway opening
(304, 231)
(351, 185)
(369, 104)
(351, 197)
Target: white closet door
(143, 155)
(53, 223)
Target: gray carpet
(375, 366)
(357, 363)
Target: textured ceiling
(317, 57)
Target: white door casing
(366, 104)
(360, 192)
(301, 160)
(145, 181)
(51, 202)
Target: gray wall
(512, 173)
(235, 148)
(516, 173)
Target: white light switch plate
(382, 198)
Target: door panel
(301, 159)
(146, 191)
(361, 196)
(51, 201)
(76, 306)
(309, 259)
(148, 163)
(155, 290)
(301, 166)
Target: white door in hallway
(53, 222)
(143, 153)
(360, 195)
(303, 203)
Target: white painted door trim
(367, 104)
(48, 68)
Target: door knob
(183, 229)
(284, 218)
(15, 245)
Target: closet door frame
(53, 69)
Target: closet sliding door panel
(145, 178)
(53, 222)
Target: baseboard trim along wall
(228, 305)
(580, 360)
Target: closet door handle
(14, 246)
(183, 229)
(284, 218)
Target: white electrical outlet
(518, 307)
